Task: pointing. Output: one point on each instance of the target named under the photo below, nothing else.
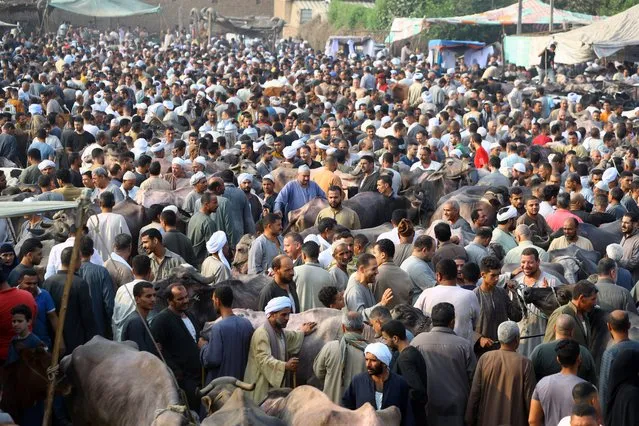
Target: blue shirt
(45, 150)
(45, 304)
(606, 364)
(226, 353)
(293, 196)
(29, 342)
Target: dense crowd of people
(120, 117)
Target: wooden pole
(552, 16)
(63, 311)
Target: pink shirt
(556, 220)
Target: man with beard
(271, 349)
(177, 331)
(245, 181)
(265, 166)
(30, 257)
(537, 223)
(297, 193)
(46, 315)
(163, 260)
(282, 284)
(344, 216)
(358, 295)
(379, 386)
(630, 244)
(506, 219)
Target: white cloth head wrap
(277, 304)
(244, 177)
(215, 244)
(381, 352)
(197, 177)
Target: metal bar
(530, 337)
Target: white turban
(44, 164)
(269, 177)
(129, 176)
(244, 177)
(197, 177)
(171, 208)
(298, 144)
(289, 152)
(381, 352)
(215, 244)
(200, 160)
(278, 304)
(178, 161)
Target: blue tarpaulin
(105, 8)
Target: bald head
(619, 322)
(523, 232)
(564, 327)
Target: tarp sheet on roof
(403, 28)
(534, 12)
(19, 208)
(600, 39)
(105, 8)
(453, 44)
(6, 24)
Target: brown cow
(311, 407)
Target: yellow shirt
(345, 217)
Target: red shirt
(556, 220)
(8, 300)
(481, 157)
(541, 140)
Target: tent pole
(552, 16)
(519, 13)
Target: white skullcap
(45, 164)
(277, 304)
(602, 186)
(141, 105)
(311, 237)
(178, 161)
(168, 105)
(141, 143)
(506, 213)
(331, 151)
(250, 132)
(385, 119)
(157, 147)
(495, 145)
(482, 132)
(78, 93)
(456, 152)
(461, 90)
(289, 152)
(381, 352)
(244, 177)
(614, 251)
(170, 208)
(610, 175)
(418, 76)
(573, 97)
(520, 168)
(507, 332)
(197, 177)
(257, 146)
(320, 145)
(269, 177)
(129, 175)
(303, 169)
(35, 109)
(216, 243)
(269, 139)
(298, 144)
(200, 160)
(450, 71)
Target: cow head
(412, 318)
(197, 287)
(547, 299)
(218, 392)
(240, 260)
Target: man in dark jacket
(379, 387)
(177, 333)
(409, 364)
(79, 324)
(134, 329)
(369, 181)
(100, 287)
(282, 284)
(174, 240)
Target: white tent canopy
(20, 208)
(600, 39)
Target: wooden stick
(63, 313)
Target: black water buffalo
(578, 263)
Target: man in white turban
(216, 264)
(271, 363)
(378, 386)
